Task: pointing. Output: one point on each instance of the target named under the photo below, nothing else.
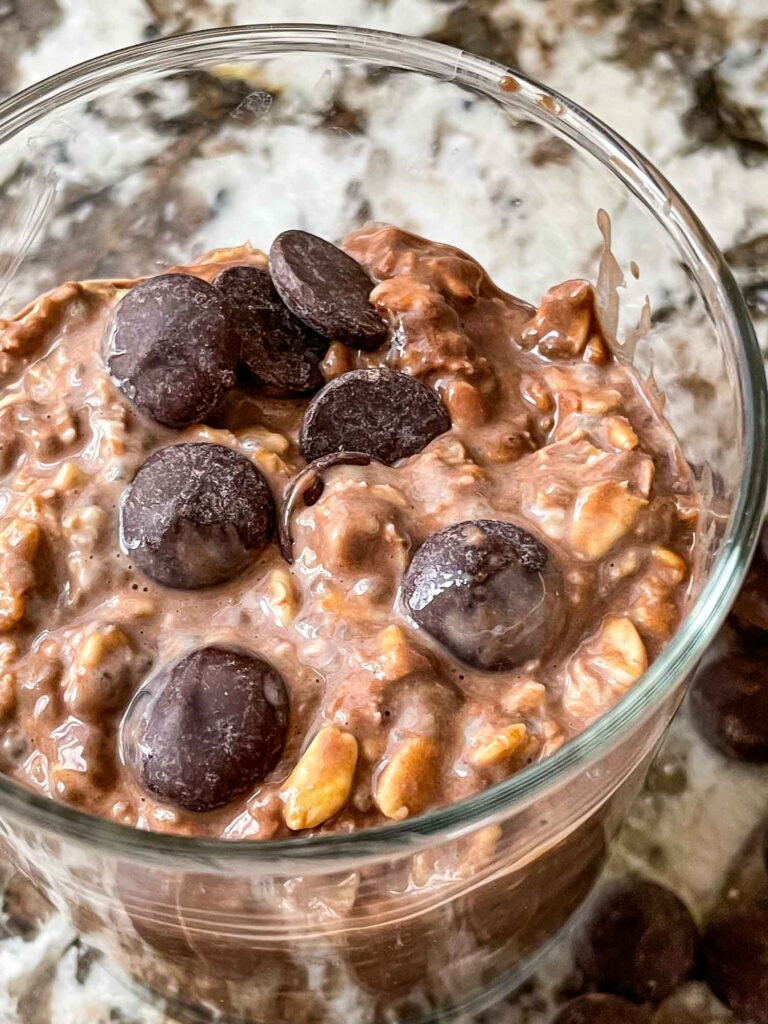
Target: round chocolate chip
(729, 703)
(601, 1009)
(735, 960)
(280, 353)
(196, 515)
(384, 414)
(207, 728)
(639, 941)
(326, 288)
(171, 350)
(751, 607)
(488, 591)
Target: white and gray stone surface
(687, 82)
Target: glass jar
(148, 157)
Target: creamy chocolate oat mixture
(315, 542)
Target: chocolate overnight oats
(321, 539)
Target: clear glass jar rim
(521, 95)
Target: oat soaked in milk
(203, 634)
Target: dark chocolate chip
(601, 1009)
(326, 288)
(280, 353)
(196, 515)
(307, 486)
(735, 960)
(765, 846)
(639, 941)
(488, 591)
(751, 607)
(729, 703)
(385, 414)
(171, 350)
(207, 728)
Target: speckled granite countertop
(687, 82)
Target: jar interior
(210, 149)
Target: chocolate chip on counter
(639, 941)
(326, 288)
(729, 703)
(488, 591)
(750, 609)
(207, 728)
(601, 1009)
(171, 350)
(735, 960)
(385, 414)
(280, 353)
(196, 515)
(307, 487)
